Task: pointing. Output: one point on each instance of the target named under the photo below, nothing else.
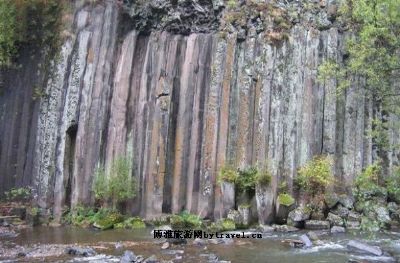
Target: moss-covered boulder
(131, 223)
(223, 225)
(108, 221)
(285, 203)
(185, 220)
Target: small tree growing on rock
(116, 186)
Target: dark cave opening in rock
(70, 141)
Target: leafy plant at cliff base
(185, 220)
(18, 194)
(393, 185)
(315, 175)
(373, 62)
(366, 185)
(102, 218)
(118, 185)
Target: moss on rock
(286, 199)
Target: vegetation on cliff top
(35, 23)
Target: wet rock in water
(151, 259)
(128, 257)
(80, 251)
(285, 228)
(337, 229)
(265, 228)
(331, 199)
(346, 201)
(316, 224)
(165, 245)
(374, 250)
(306, 240)
(199, 242)
(335, 220)
(313, 236)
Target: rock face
(179, 106)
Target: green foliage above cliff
(35, 23)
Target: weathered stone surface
(346, 201)
(353, 225)
(235, 216)
(338, 229)
(306, 240)
(128, 257)
(180, 107)
(374, 250)
(341, 211)
(285, 228)
(299, 214)
(265, 205)
(227, 197)
(316, 225)
(335, 220)
(331, 199)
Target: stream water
(270, 248)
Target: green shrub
(264, 177)
(246, 182)
(286, 199)
(228, 174)
(100, 184)
(122, 185)
(366, 185)
(18, 194)
(131, 223)
(118, 185)
(185, 220)
(393, 185)
(223, 225)
(102, 218)
(315, 175)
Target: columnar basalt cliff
(180, 105)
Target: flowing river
(48, 244)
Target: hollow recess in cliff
(70, 142)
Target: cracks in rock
(163, 94)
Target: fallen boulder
(338, 229)
(374, 250)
